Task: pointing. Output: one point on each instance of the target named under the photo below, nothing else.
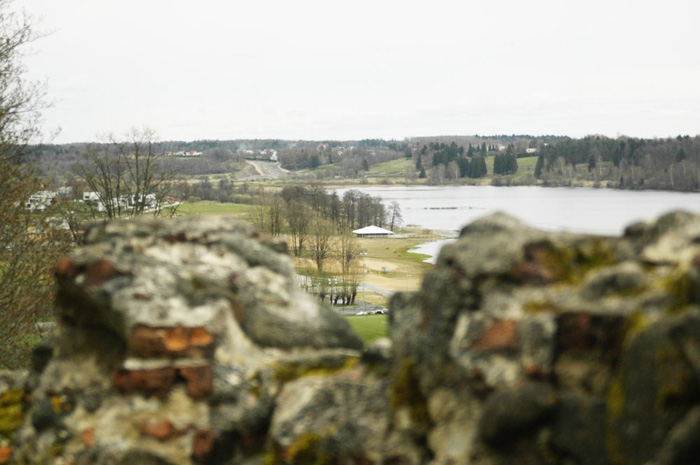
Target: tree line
(627, 162)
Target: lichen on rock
(187, 341)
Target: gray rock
(508, 415)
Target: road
(378, 290)
(266, 170)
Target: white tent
(372, 231)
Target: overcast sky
(304, 69)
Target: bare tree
(29, 244)
(128, 178)
(258, 215)
(395, 217)
(275, 210)
(321, 237)
(347, 253)
(298, 216)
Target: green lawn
(214, 208)
(396, 167)
(370, 327)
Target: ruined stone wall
(186, 341)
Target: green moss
(636, 323)
(615, 402)
(11, 417)
(676, 284)
(307, 450)
(676, 382)
(405, 392)
(537, 307)
(12, 396)
(284, 372)
(11, 411)
(570, 264)
(61, 404)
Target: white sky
(329, 69)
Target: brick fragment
(199, 380)
(157, 382)
(536, 267)
(176, 339)
(200, 337)
(5, 454)
(203, 443)
(99, 272)
(147, 342)
(160, 429)
(170, 342)
(65, 268)
(502, 335)
(88, 437)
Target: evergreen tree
(315, 162)
(463, 164)
(539, 166)
(477, 168)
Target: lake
(585, 210)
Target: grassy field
(214, 208)
(397, 167)
(396, 250)
(370, 327)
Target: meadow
(370, 327)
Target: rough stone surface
(187, 341)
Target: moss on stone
(539, 306)
(677, 383)
(12, 411)
(405, 392)
(615, 403)
(12, 396)
(307, 450)
(11, 417)
(285, 372)
(636, 323)
(676, 284)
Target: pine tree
(539, 166)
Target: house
(91, 197)
(372, 231)
(40, 201)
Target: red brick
(199, 380)
(160, 429)
(200, 337)
(99, 272)
(65, 268)
(147, 342)
(5, 454)
(150, 382)
(176, 339)
(502, 335)
(534, 270)
(170, 342)
(203, 443)
(88, 437)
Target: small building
(40, 201)
(372, 231)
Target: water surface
(584, 210)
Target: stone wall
(187, 341)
